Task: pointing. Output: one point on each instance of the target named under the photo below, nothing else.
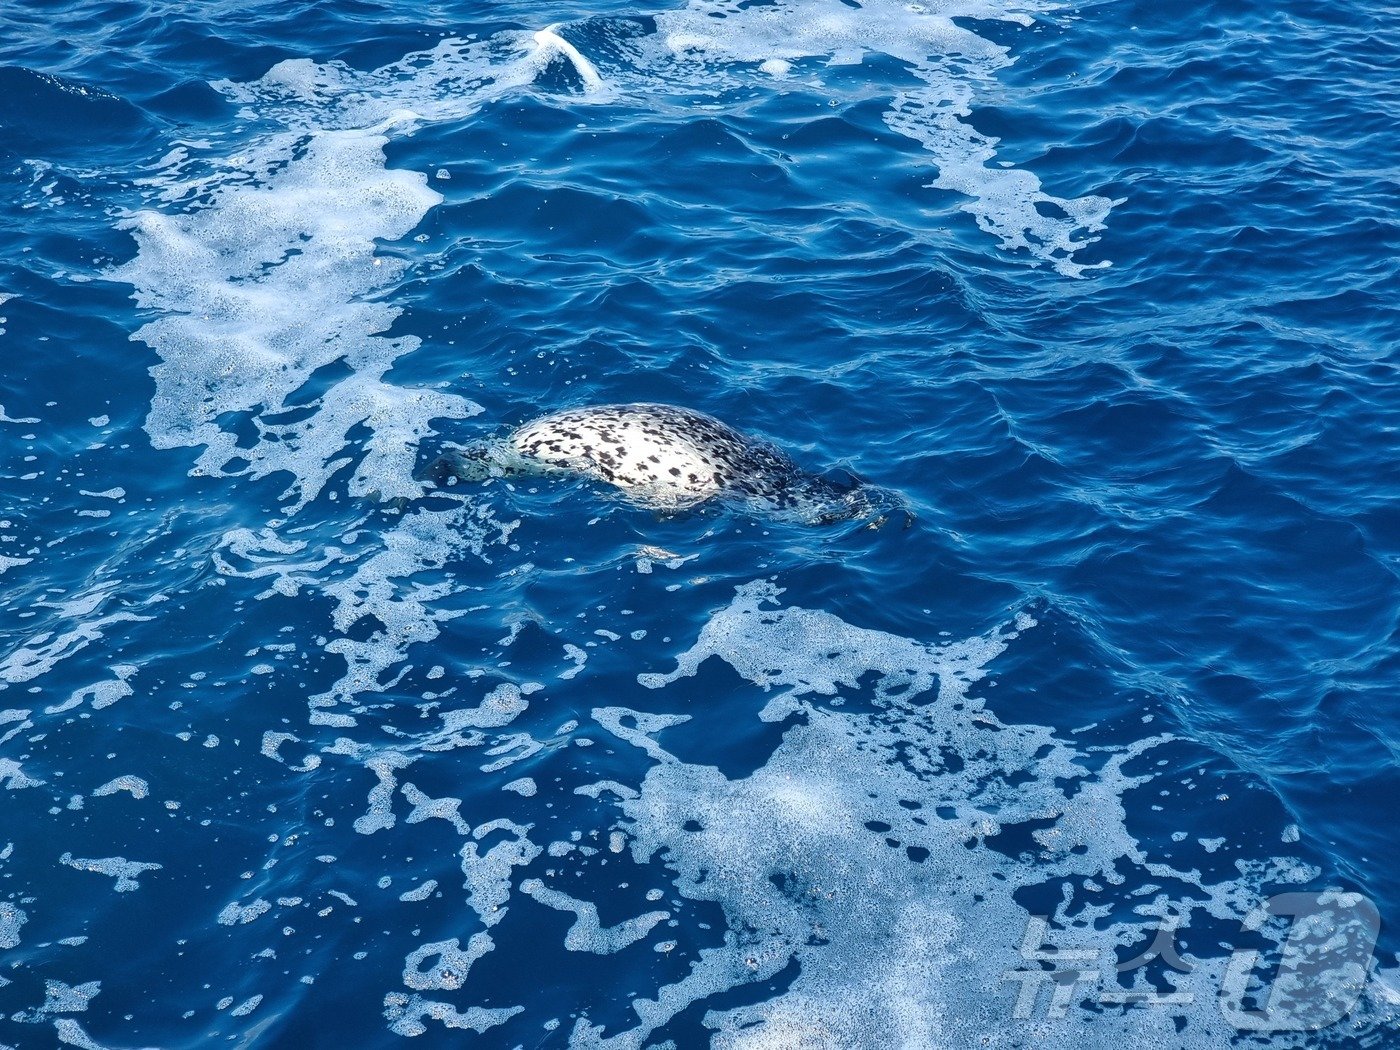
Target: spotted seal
(665, 457)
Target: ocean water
(1103, 749)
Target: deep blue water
(293, 753)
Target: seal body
(660, 456)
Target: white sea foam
(12, 917)
(488, 874)
(263, 553)
(380, 815)
(421, 892)
(579, 658)
(271, 274)
(13, 777)
(18, 721)
(11, 563)
(71, 1033)
(246, 1007)
(503, 705)
(15, 419)
(119, 868)
(387, 586)
(100, 694)
(425, 808)
(406, 1014)
(135, 785)
(39, 654)
(587, 934)
(950, 67)
(864, 850)
(269, 283)
(235, 914)
(550, 40)
(61, 998)
(451, 963)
